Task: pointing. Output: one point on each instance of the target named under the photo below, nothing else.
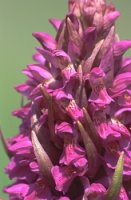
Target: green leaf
(115, 187)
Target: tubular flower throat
(74, 142)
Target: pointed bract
(43, 160)
(116, 183)
(93, 160)
(5, 144)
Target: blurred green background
(18, 19)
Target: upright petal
(46, 40)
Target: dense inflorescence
(74, 142)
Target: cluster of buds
(74, 142)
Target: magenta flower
(74, 142)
